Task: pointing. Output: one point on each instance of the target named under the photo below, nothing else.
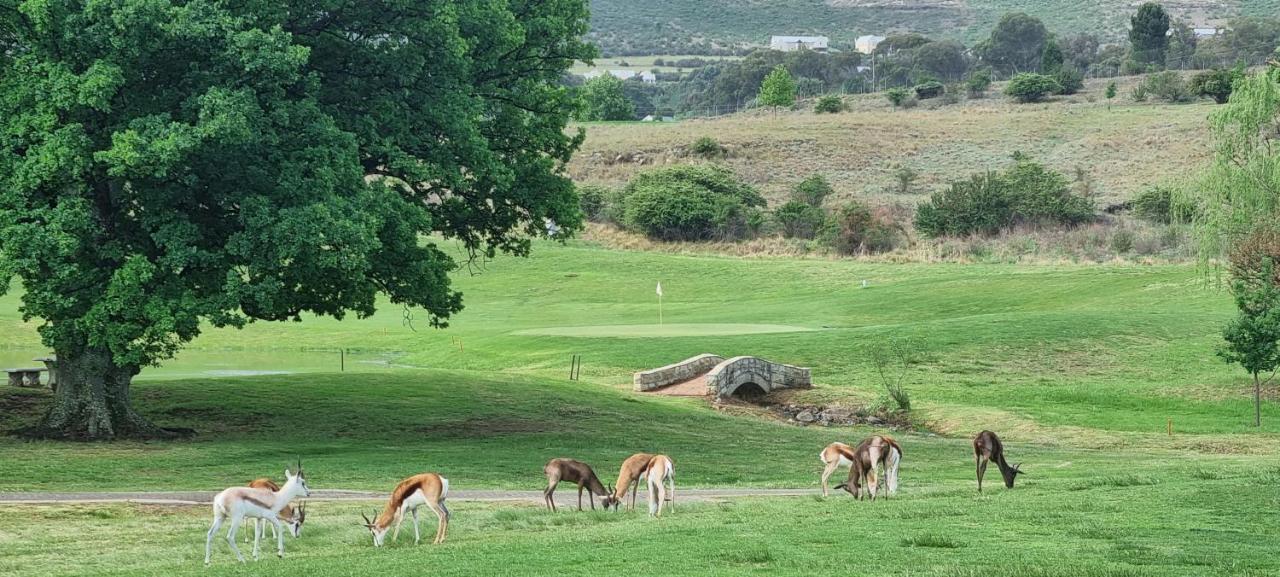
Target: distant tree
(778, 89)
(1070, 79)
(1216, 84)
(901, 43)
(812, 191)
(604, 98)
(1251, 39)
(1015, 45)
(978, 82)
(1081, 50)
(1031, 87)
(1148, 30)
(829, 104)
(929, 89)
(1253, 337)
(1182, 46)
(944, 59)
(1167, 86)
(1051, 58)
(1110, 93)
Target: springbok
(427, 489)
(558, 470)
(833, 457)
(660, 469)
(987, 447)
(240, 502)
(293, 518)
(629, 475)
(879, 450)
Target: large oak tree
(170, 163)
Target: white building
(1207, 32)
(867, 44)
(793, 43)
(648, 77)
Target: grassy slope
(1123, 148)
(614, 22)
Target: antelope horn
(367, 522)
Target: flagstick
(659, 310)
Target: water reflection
(205, 363)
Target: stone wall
(674, 373)
(727, 376)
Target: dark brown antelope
(427, 489)
(572, 471)
(875, 451)
(629, 475)
(987, 447)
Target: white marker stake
(659, 303)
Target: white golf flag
(659, 288)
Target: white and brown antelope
(628, 477)
(660, 469)
(987, 447)
(572, 471)
(833, 457)
(292, 517)
(879, 450)
(241, 502)
(427, 489)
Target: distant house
(620, 75)
(867, 44)
(1207, 32)
(649, 77)
(793, 43)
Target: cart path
(564, 494)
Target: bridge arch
(729, 376)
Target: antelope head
(379, 533)
(298, 480)
(299, 517)
(1013, 474)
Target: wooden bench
(29, 377)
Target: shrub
(1167, 86)
(604, 98)
(905, 177)
(910, 102)
(1216, 84)
(855, 229)
(707, 147)
(1042, 196)
(930, 89)
(829, 103)
(897, 96)
(594, 200)
(798, 219)
(812, 191)
(1155, 204)
(1031, 87)
(1070, 79)
(691, 202)
(978, 82)
(1027, 193)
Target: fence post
(342, 359)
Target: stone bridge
(716, 376)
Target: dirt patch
(777, 407)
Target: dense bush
(978, 82)
(930, 89)
(1031, 87)
(1027, 193)
(707, 147)
(897, 96)
(1216, 84)
(1155, 204)
(1167, 86)
(604, 98)
(812, 191)
(691, 202)
(829, 103)
(799, 219)
(1070, 79)
(856, 229)
(594, 200)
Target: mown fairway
(1080, 369)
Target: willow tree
(171, 164)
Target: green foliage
(1167, 86)
(1253, 337)
(170, 166)
(778, 89)
(813, 190)
(604, 98)
(978, 82)
(830, 103)
(798, 219)
(1015, 45)
(1031, 87)
(1070, 79)
(1111, 90)
(1148, 37)
(1154, 204)
(855, 229)
(1216, 84)
(930, 89)
(944, 59)
(1051, 58)
(690, 202)
(707, 147)
(904, 176)
(594, 201)
(897, 96)
(1027, 193)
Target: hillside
(671, 26)
(1120, 148)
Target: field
(673, 24)
(1120, 148)
(1081, 369)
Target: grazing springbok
(879, 450)
(558, 470)
(833, 457)
(987, 447)
(240, 502)
(293, 518)
(660, 469)
(427, 489)
(628, 476)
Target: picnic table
(30, 376)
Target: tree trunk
(92, 401)
(1257, 401)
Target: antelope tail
(891, 468)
